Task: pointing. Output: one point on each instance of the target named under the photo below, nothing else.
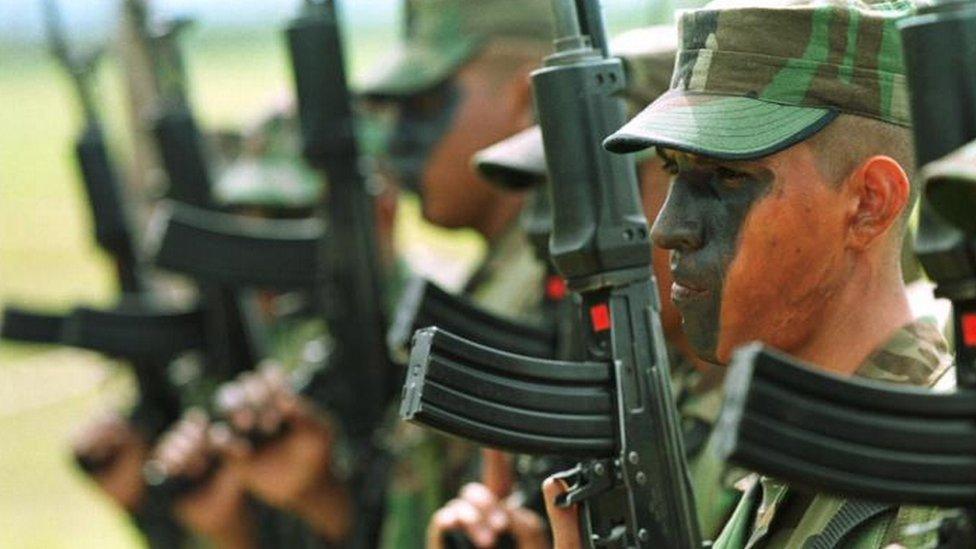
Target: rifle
(862, 438)
(362, 380)
(614, 409)
(147, 349)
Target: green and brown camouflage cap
(950, 185)
(648, 57)
(755, 77)
(443, 35)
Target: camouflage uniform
(750, 81)
(769, 514)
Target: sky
(20, 20)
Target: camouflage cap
(648, 56)
(442, 35)
(270, 172)
(753, 77)
(950, 185)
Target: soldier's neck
(869, 309)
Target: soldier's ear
(879, 189)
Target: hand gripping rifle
(614, 410)
(863, 438)
(137, 329)
(362, 381)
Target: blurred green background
(48, 260)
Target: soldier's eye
(670, 166)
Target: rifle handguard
(424, 304)
(851, 436)
(30, 327)
(239, 251)
(517, 403)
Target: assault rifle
(614, 410)
(137, 329)
(868, 439)
(361, 380)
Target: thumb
(564, 521)
(496, 472)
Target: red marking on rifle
(969, 329)
(556, 288)
(600, 317)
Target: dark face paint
(421, 124)
(700, 223)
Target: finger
(256, 391)
(564, 521)
(229, 397)
(269, 421)
(528, 529)
(479, 496)
(473, 523)
(443, 521)
(229, 444)
(497, 472)
(274, 377)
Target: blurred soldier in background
(458, 83)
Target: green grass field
(47, 259)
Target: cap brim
(718, 126)
(415, 69)
(518, 162)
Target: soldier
(786, 131)
(458, 83)
(482, 510)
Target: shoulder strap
(852, 513)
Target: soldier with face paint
(486, 510)
(458, 82)
(786, 132)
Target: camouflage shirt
(770, 515)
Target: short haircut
(850, 140)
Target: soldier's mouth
(682, 292)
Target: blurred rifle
(614, 410)
(137, 329)
(360, 383)
(868, 439)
